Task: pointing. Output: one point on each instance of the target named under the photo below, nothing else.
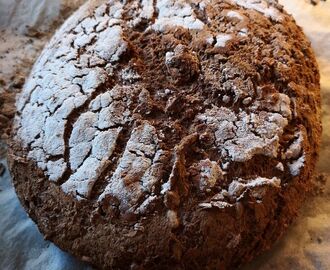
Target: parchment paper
(306, 245)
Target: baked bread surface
(168, 134)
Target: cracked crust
(168, 134)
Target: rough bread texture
(168, 134)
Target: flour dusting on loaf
(185, 126)
(77, 73)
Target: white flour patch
(136, 160)
(221, 40)
(208, 174)
(296, 147)
(280, 166)
(63, 82)
(243, 32)
(55, 169)
(242, 136)
(145, 13)
(234, 14)
(236, 188)
(88, 170)
(110, 45)
(174, 13)
(261, 6)
(295, 166)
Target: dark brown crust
(205, 238)
(69, 224)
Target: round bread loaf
(168, 134)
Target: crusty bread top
(134, 102)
